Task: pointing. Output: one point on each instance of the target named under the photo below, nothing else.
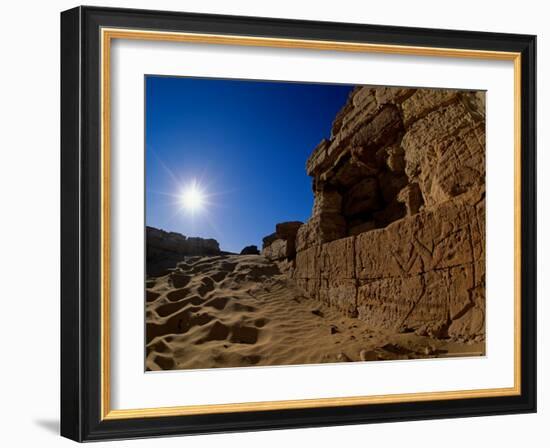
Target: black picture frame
(81, 224)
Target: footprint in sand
(177, 294)
(167, 309)
(227, 267)
(164, 362)
(207, 285)
(180, 322)
(170, 308)
(244, 335)
(261, 322)
(251, 359)
(237, 306)
(219, 303)
(179, 280)
(159, 346)
(201, 268)
(238, 334)
(151, 296)
(216, 332)
(219, 276)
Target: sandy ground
(239, 310)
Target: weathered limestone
(277, 250)
(287, 230)
(433, 263)
(451, 235)
(411, 196)
(445, 153)
(425, 101)
(397, 232)
(385, 139)
(327, 201)
(426, 268)
(321, 228)
(361, 227)
(395, 159)
(378, 132)
(396, 303)
(393, 95)
(327, 273)
(338, 285)
(281, 244)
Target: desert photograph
(292, 223)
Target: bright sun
(192, 198)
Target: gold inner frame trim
(107, 35)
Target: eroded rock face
(166, 249)
(445, 153)
(281, 244)
(397, 231)
(424, 268)
(321, 228)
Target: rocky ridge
(166, 249)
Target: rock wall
(397, 232)
(165, 249)
(281, 245)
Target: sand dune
(240, 310)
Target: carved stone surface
(450, 235)
(445, 153)
(397, 232)
(425, 101)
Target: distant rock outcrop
(165, 249)
(397, 231)
(282, 244)
(250, 250)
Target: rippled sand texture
(239, 310)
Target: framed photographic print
(276, 224)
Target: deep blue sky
(244, 142)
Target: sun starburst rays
(194, 201)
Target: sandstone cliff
(166, 249)
(397, 232)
